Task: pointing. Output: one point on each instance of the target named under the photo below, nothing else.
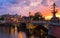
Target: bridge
(36, 30)
(45, 22)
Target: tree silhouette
(2, 18)
(38, 16)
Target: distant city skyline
(23, 7)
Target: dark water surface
(9, 32)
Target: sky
(23, 7)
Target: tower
(8, 16)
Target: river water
(9, 32)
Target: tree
(38, 16)
(2, 18)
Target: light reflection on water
(21, 35)
(9, 32)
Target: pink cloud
(25, 6)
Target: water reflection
(10, 32)
(21, 35)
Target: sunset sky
(23, 7)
